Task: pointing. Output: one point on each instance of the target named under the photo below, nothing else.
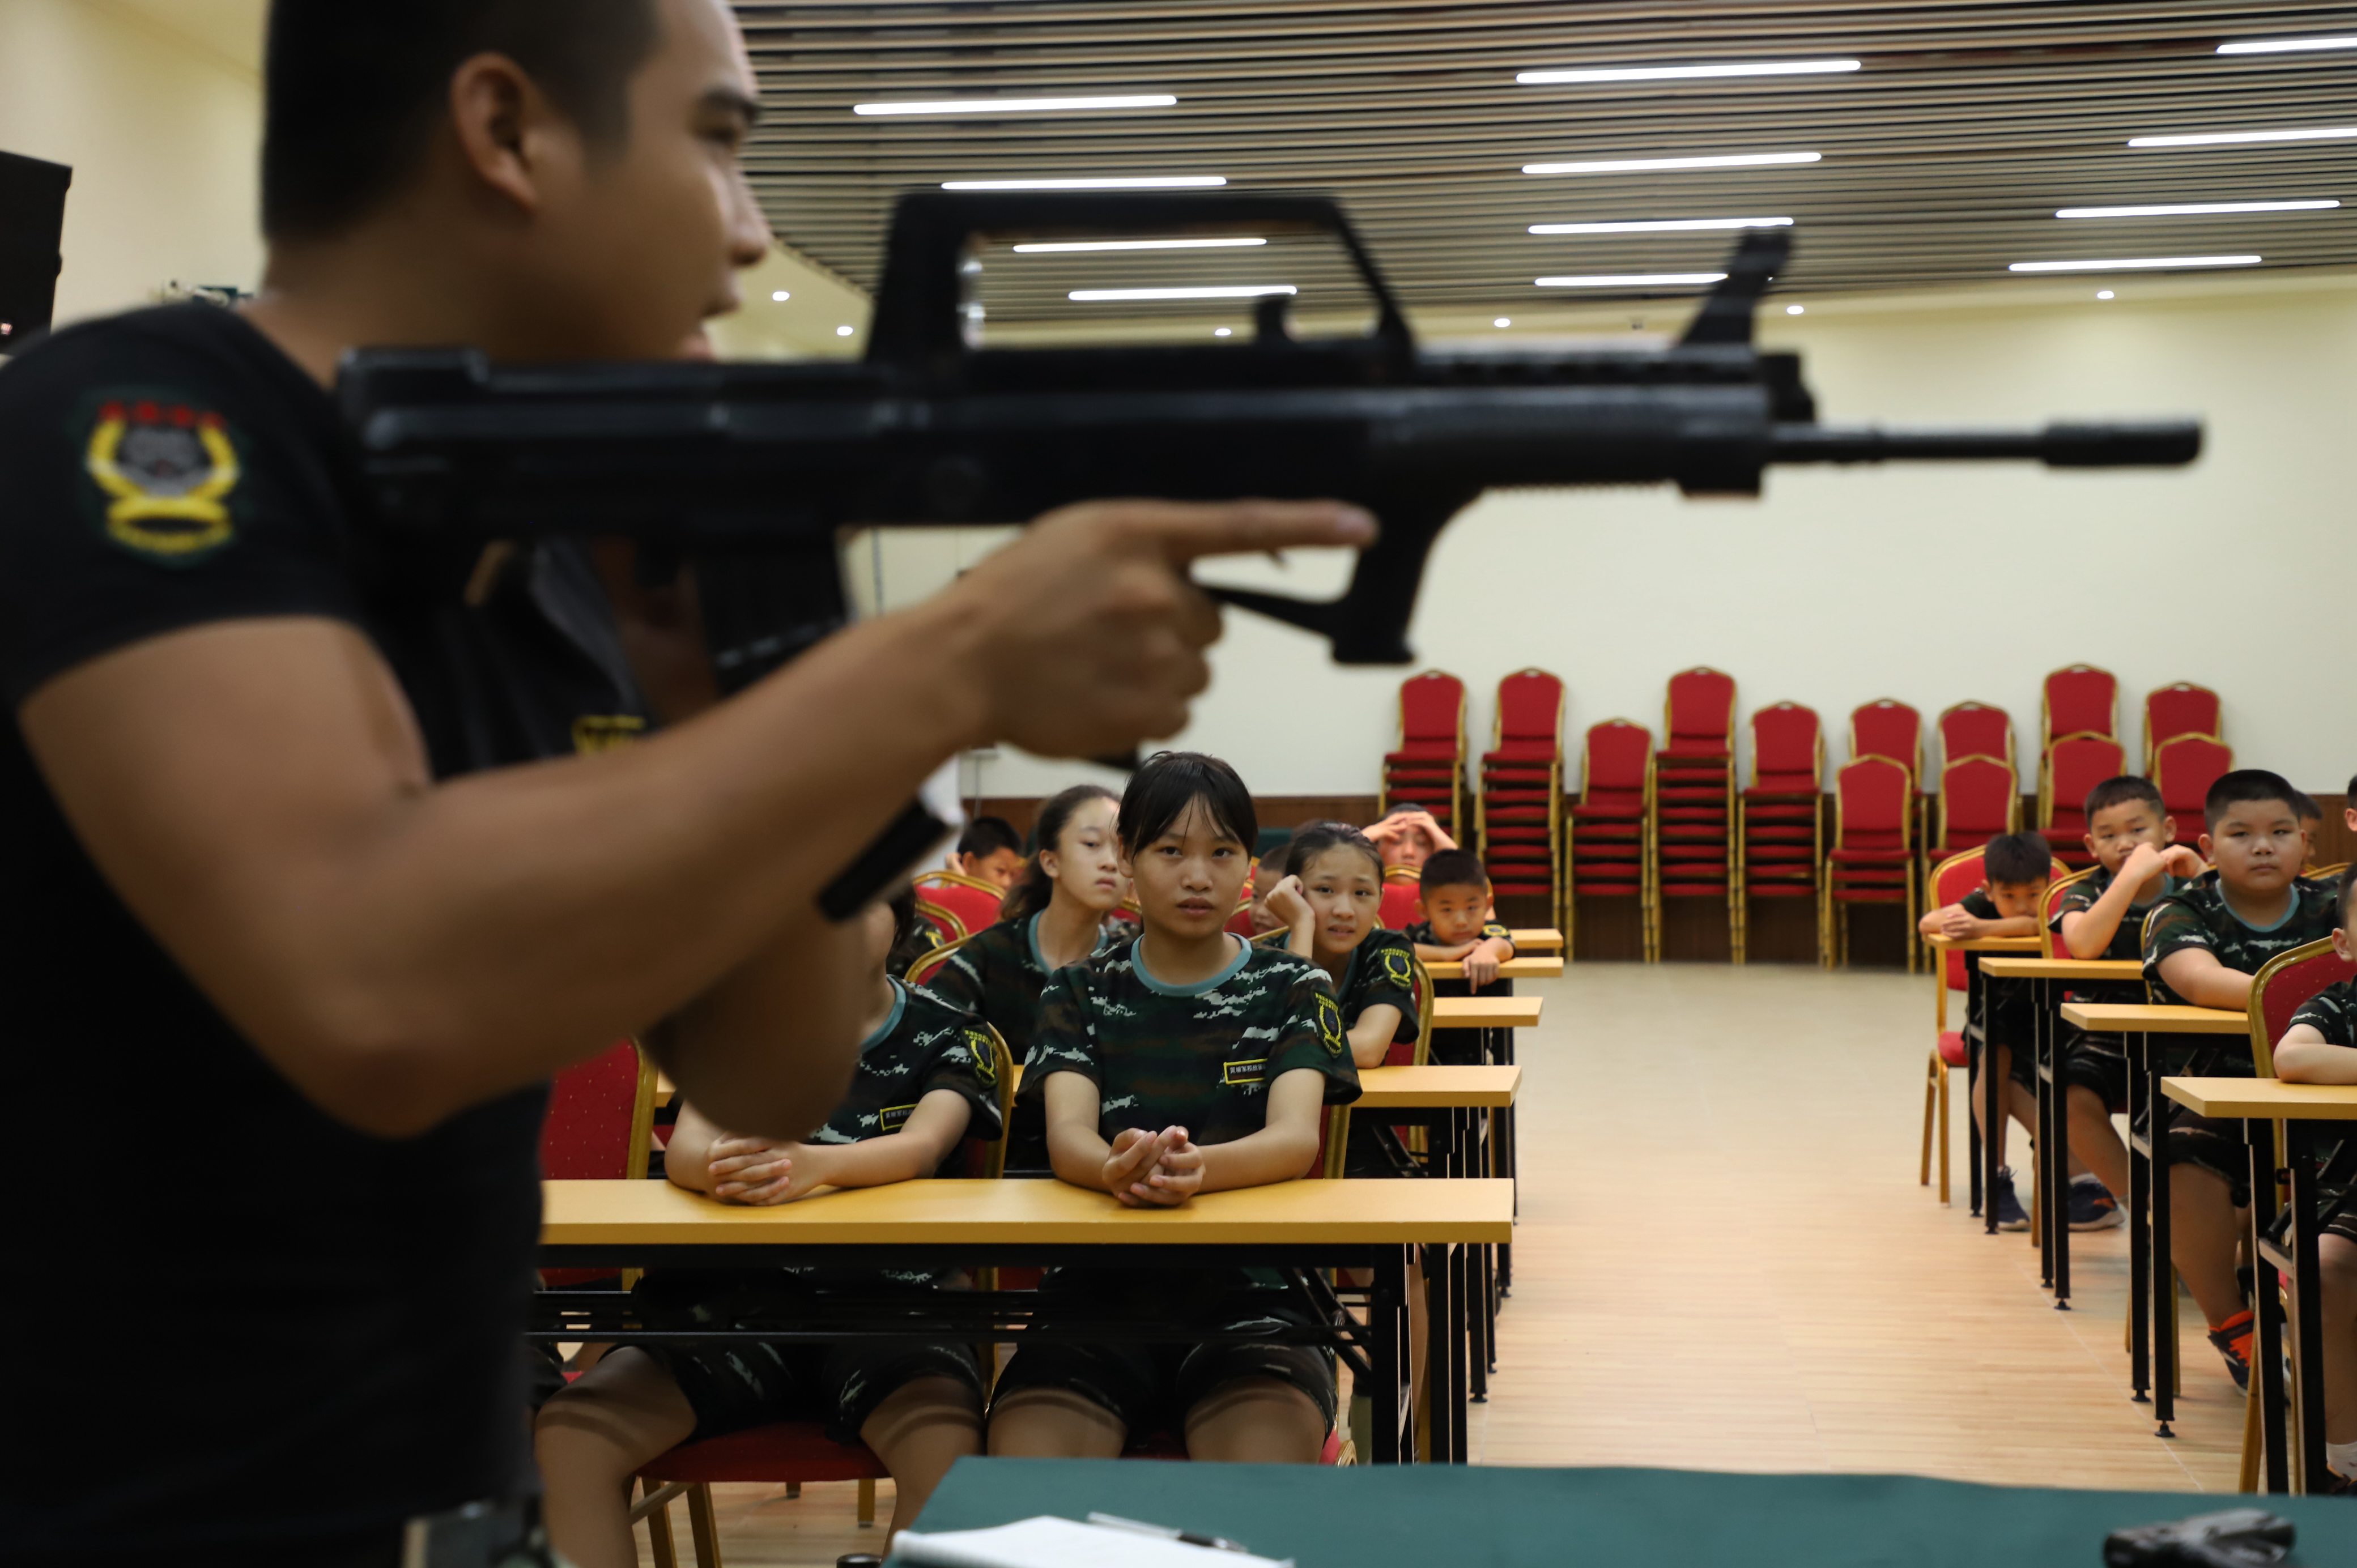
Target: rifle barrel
(2112, 445)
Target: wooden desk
(2008, 966)
(1518, 968)
(1538, 938)
(1299, 1227)
(2137, 1018)
(2305, 1111)
(1485, 1011)
(1982, 944)
(1436, 1087)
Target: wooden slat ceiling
(1943, 158)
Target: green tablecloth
(1431, 1516)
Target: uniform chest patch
(603, 732)
(167, 474)
(1245, 1072)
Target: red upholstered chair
(1872, 858)
(921, 967)
(1611, 827)
(2074, 765)
(1518, 813)
(1949, 881)
(1781, 837)
(2078, 700)
(2183, 768)
(1241, 922)
(946, 926)
(1976, 729)
(1978, 799)
(2180, 708)
(1402, 899)
(2054, 904)
(1887, 727)
(971, 901)
(1693, 795)
(599, 1127)
(788, 1453)
(1427, 767)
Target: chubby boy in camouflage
(925, 1081)
(1181, 1061)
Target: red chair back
(1699, 714)
(1976, 729)
(1432, 709)
(1978, 800)
(2181, 708)
(1951, 880)
(1401, 906)
(2079, 700)
(2074, 765)
(1871, 803)
(1888, 728)
(947, 927)
(2284, 983)
(2183, 768)
(600, 1117)
(1788, 750)
(1530, 707)
(973, 901)
(1618, 752)
(2052, 906)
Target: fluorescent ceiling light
(1638, 165)
(1115, 182)
(2287, 46)
(1045, 245)
(780, 295)
(1661, 225)
(2221, 138)
(1685, 72)
(1629, 280)
(2140, 263)
(1238, 291)
(1020, 105)
(842, 331)
(2193, 208)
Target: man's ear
(507, 130)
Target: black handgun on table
(751, 471)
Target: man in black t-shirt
(277, 888)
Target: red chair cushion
(781, 1451)
(1951, 1048)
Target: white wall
(1932, 585)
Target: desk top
(1434, 1086)
(1414, 1516)
(2271, 1097)
(1537, 939)
(2011, 967)
(1984, 944)
(2127, 1018)
(1038, 1212)
(1485, 1011)
(1545, 967)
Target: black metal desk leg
(2139, 1223)
(1444, 1359)
(2308, 1309)
(2164, 1271)
(2056, 1094)
(1395, 1423)
(1992, 1105)
(2266, 1343)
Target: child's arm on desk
(2087, 933)
(1162, 1170)
(2196, 976)
(2304, 1055)
(1959, 924)
(759, 1171)
(1371, 1038)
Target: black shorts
(2099, 1064)
(2212, 1145)
(735, 1384)
(1150, 1388)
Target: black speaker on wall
(32, 226)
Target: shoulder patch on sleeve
(164, 473)
(1398, 969)
(1329, 1023)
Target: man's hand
(1289, 904)
(1132, 1160)
(758, 1173)
(1085, 635)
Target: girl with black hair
(1328, 903)
(1184, 1060)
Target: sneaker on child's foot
(2010, 1214)
(2093, 1207)
(2232, 1338)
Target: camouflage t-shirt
(2127, 942)
(925, 1045)
(2197, 916)
(1199, 1057)
(1420, 935)
(2332, 1013)
(1382, 971)
(997, 977)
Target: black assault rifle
(751, 470)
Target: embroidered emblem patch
(167, 471)
(603, 732)
(1252, 1072)
(986, 1057)
(1396, 969)
(1330, 1025)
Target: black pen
(1216, 1542)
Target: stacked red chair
(2183, 768)
(2078, 699)
(1979, 798)
(2180, 708)
(972, 901)
(1872, 858)
(1966, 730)
(1976, 729)
(1607, 853)
(2074, 765)
(1888, 727)
(1518, 813)
(1781, 841)
(1427, 768)
(1694, 794)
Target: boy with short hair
(1457, 927)
(2014, 868)
(2321, 1046)
(2203, 943)
(2137, 859)
(989, 850)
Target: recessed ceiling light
(1502, 321)
(1640, 165)
(2134, 264)
(2193, 208)
(1236, 291)
(842, 331)
(1113, 182)
(2102, 294)
(2287, 46)
(1019, 105)
(1223, 331)
(2224, 138)
(1685, 72)
(1661, 225)
(1629, 280)
(1039, 247)
(780, 295)
(1796, 310)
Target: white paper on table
(1047, 1541)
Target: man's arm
(258, 794)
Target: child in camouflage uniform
(926, 1080)
(1184, 1060)
(2321, 1046)
(1453, 897)
(1326, 902)
(2202, 946)
(2131, 837)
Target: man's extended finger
(1186, 529)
